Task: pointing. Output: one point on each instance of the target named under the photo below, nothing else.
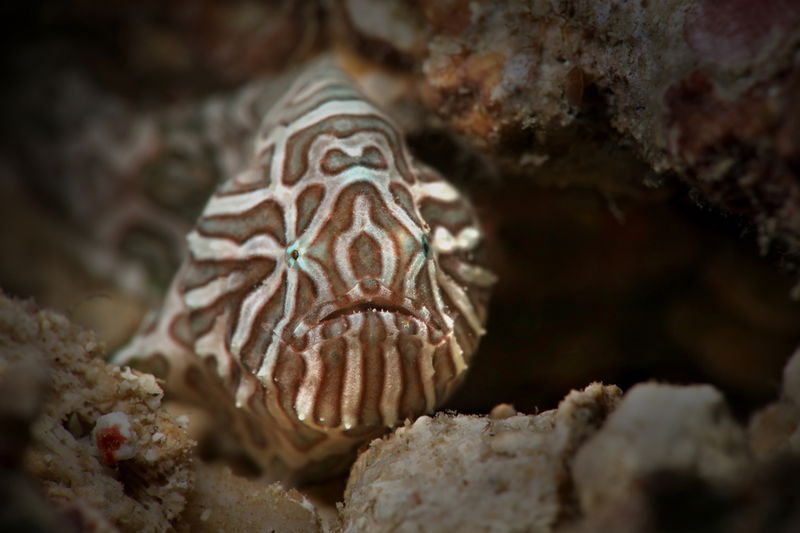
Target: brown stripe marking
(341, 126)
(373, 340)
(327, 405)
(307, 204)
(336, 161)
(412, 399)
(289, 371)
(444, 369)
(454, 216)
(266, 217)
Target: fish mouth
(335, 318)
(369, 307)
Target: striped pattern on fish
(330, 290)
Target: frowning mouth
(370, 306)
(338, 315)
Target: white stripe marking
(252, 305)
(207, 294)
(217, 249)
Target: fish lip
(335, 309)
(369, 305)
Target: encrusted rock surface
(222, 501)
(98, 444)
(470, 473)
(144, 489)
(23, 383)
(662, 457)
(672, 459)
(775, 430)
(659, 428)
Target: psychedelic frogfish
(330, 290)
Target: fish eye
(294, 254)
(426, 248)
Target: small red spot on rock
(109, 440)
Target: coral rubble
(103, 451)
(597, 463)
(775, 429)
(470, 473)
(146, 489)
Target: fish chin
(367, 369)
